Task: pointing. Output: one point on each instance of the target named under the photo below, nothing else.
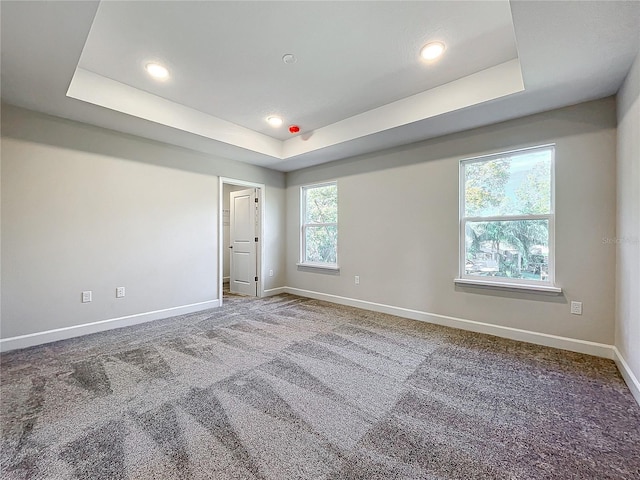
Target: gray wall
(84, 208)
(87, 208)
(628, 231)
(398, 220)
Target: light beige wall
(628, 231)
(398, 225)
(84, 208)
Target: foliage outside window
(319, 231)
(507, 218)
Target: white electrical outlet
(86, 296)
(576, 308)
(357, 280)
(119, 292)
(271, 273)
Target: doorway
(241, 214)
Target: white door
(243, 242)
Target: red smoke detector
(294, 128)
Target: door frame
(261, 243)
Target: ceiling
(358, 83)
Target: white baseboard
(631, 380)
(564, 343)
(274, 291)
(38, 338)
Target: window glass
(319, 226)
(507, 217)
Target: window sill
(319, 266)
(543, 289)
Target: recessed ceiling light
(157, 71)
(432, 50)
(274, 121)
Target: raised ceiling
(225, 58)
(358, 84)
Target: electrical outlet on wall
(576, 308)
(271, 273)
(86, 296)
(357, 279)
(119, 292)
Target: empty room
(320, 240)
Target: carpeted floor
(292, 388)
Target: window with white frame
(319, 225)
(507, 217)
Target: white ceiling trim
(490, 84)
(105, 92)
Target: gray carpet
(292, 388)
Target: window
(507, 220)
(319, 225)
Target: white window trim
(319, 266)
(548, 286)
(303, 226)
(508, 285)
